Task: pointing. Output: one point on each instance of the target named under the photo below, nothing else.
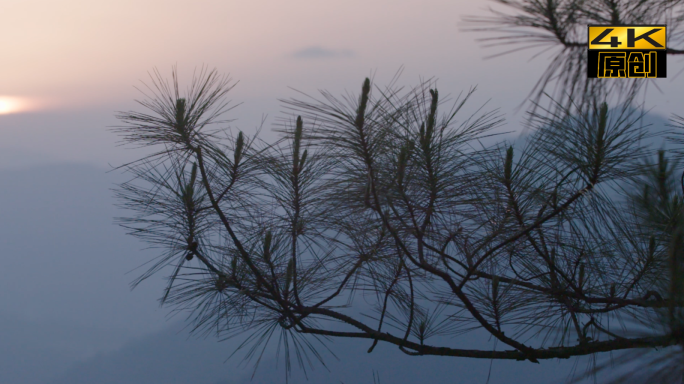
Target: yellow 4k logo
(622, 38)
(627, 51)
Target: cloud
(316, 52)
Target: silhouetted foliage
(384, 199)
(561, 26)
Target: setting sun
(12, 105)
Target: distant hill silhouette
(167, 357)
(170, 357)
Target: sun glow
(9, 104)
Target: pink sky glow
(67, 66)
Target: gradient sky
(67, 66)
(73, 63)
(81, 53)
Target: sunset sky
(68, 65)
(75, 54)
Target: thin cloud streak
(317, 52)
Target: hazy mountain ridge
(167, 357)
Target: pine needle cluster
(381, 218)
